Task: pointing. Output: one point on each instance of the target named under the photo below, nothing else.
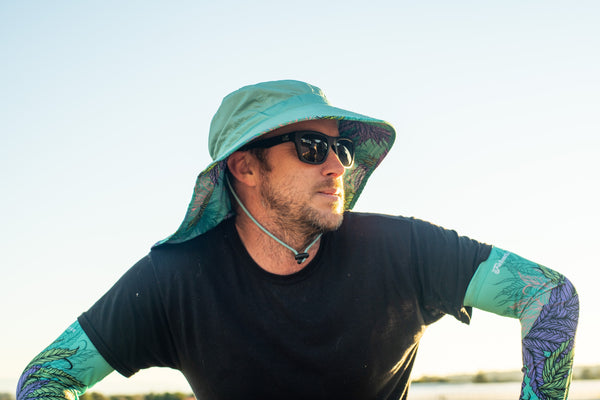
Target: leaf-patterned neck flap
(257, 109)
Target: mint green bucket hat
(257, 109)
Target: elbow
(571, 300)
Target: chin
(337, 223)
(333, 217)
(329, 222)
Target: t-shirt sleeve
(128, 325)
(443, 264)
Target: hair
(260, 154)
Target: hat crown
(242, 114)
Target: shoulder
(353, 219)
(410, 230)
(383, 223)
(203, 249)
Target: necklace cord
(300, 257)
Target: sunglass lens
(345, 152)
(313, 148)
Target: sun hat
(257, 109)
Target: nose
(333, 166)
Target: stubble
(295, 215)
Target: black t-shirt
(346, 326)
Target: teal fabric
(65, 369)
(547, 306)
(257, 109)
(510, 285)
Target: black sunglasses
(312, 147)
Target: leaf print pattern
(40, 380)
(65, 369)
(525, 289)
(547, 306)
(372, 144)
(548, 348)
(361, 132)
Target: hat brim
(210, 203)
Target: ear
(243, 167)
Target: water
(580, 390)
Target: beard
(295, 215)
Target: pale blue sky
(105, 108)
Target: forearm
(547, 306)
(64, 370)
(548, 348)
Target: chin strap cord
(300, 257)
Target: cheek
(291, 186)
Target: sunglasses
(312, 147)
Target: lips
(333, 195)
(331, 192)
(331, 188)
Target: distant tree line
(579, 372)
(588, 373)
(100, 396)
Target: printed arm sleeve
(64, 370)
(547, 306)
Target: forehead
(327, 126)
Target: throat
(268, 254)
(299, 256)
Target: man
(271, 288)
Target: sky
(105, 108)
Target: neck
(271, 255)
(256, 241)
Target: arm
(547, 306)
(64, 370)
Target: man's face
(305, 196)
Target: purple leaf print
(548, 347)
